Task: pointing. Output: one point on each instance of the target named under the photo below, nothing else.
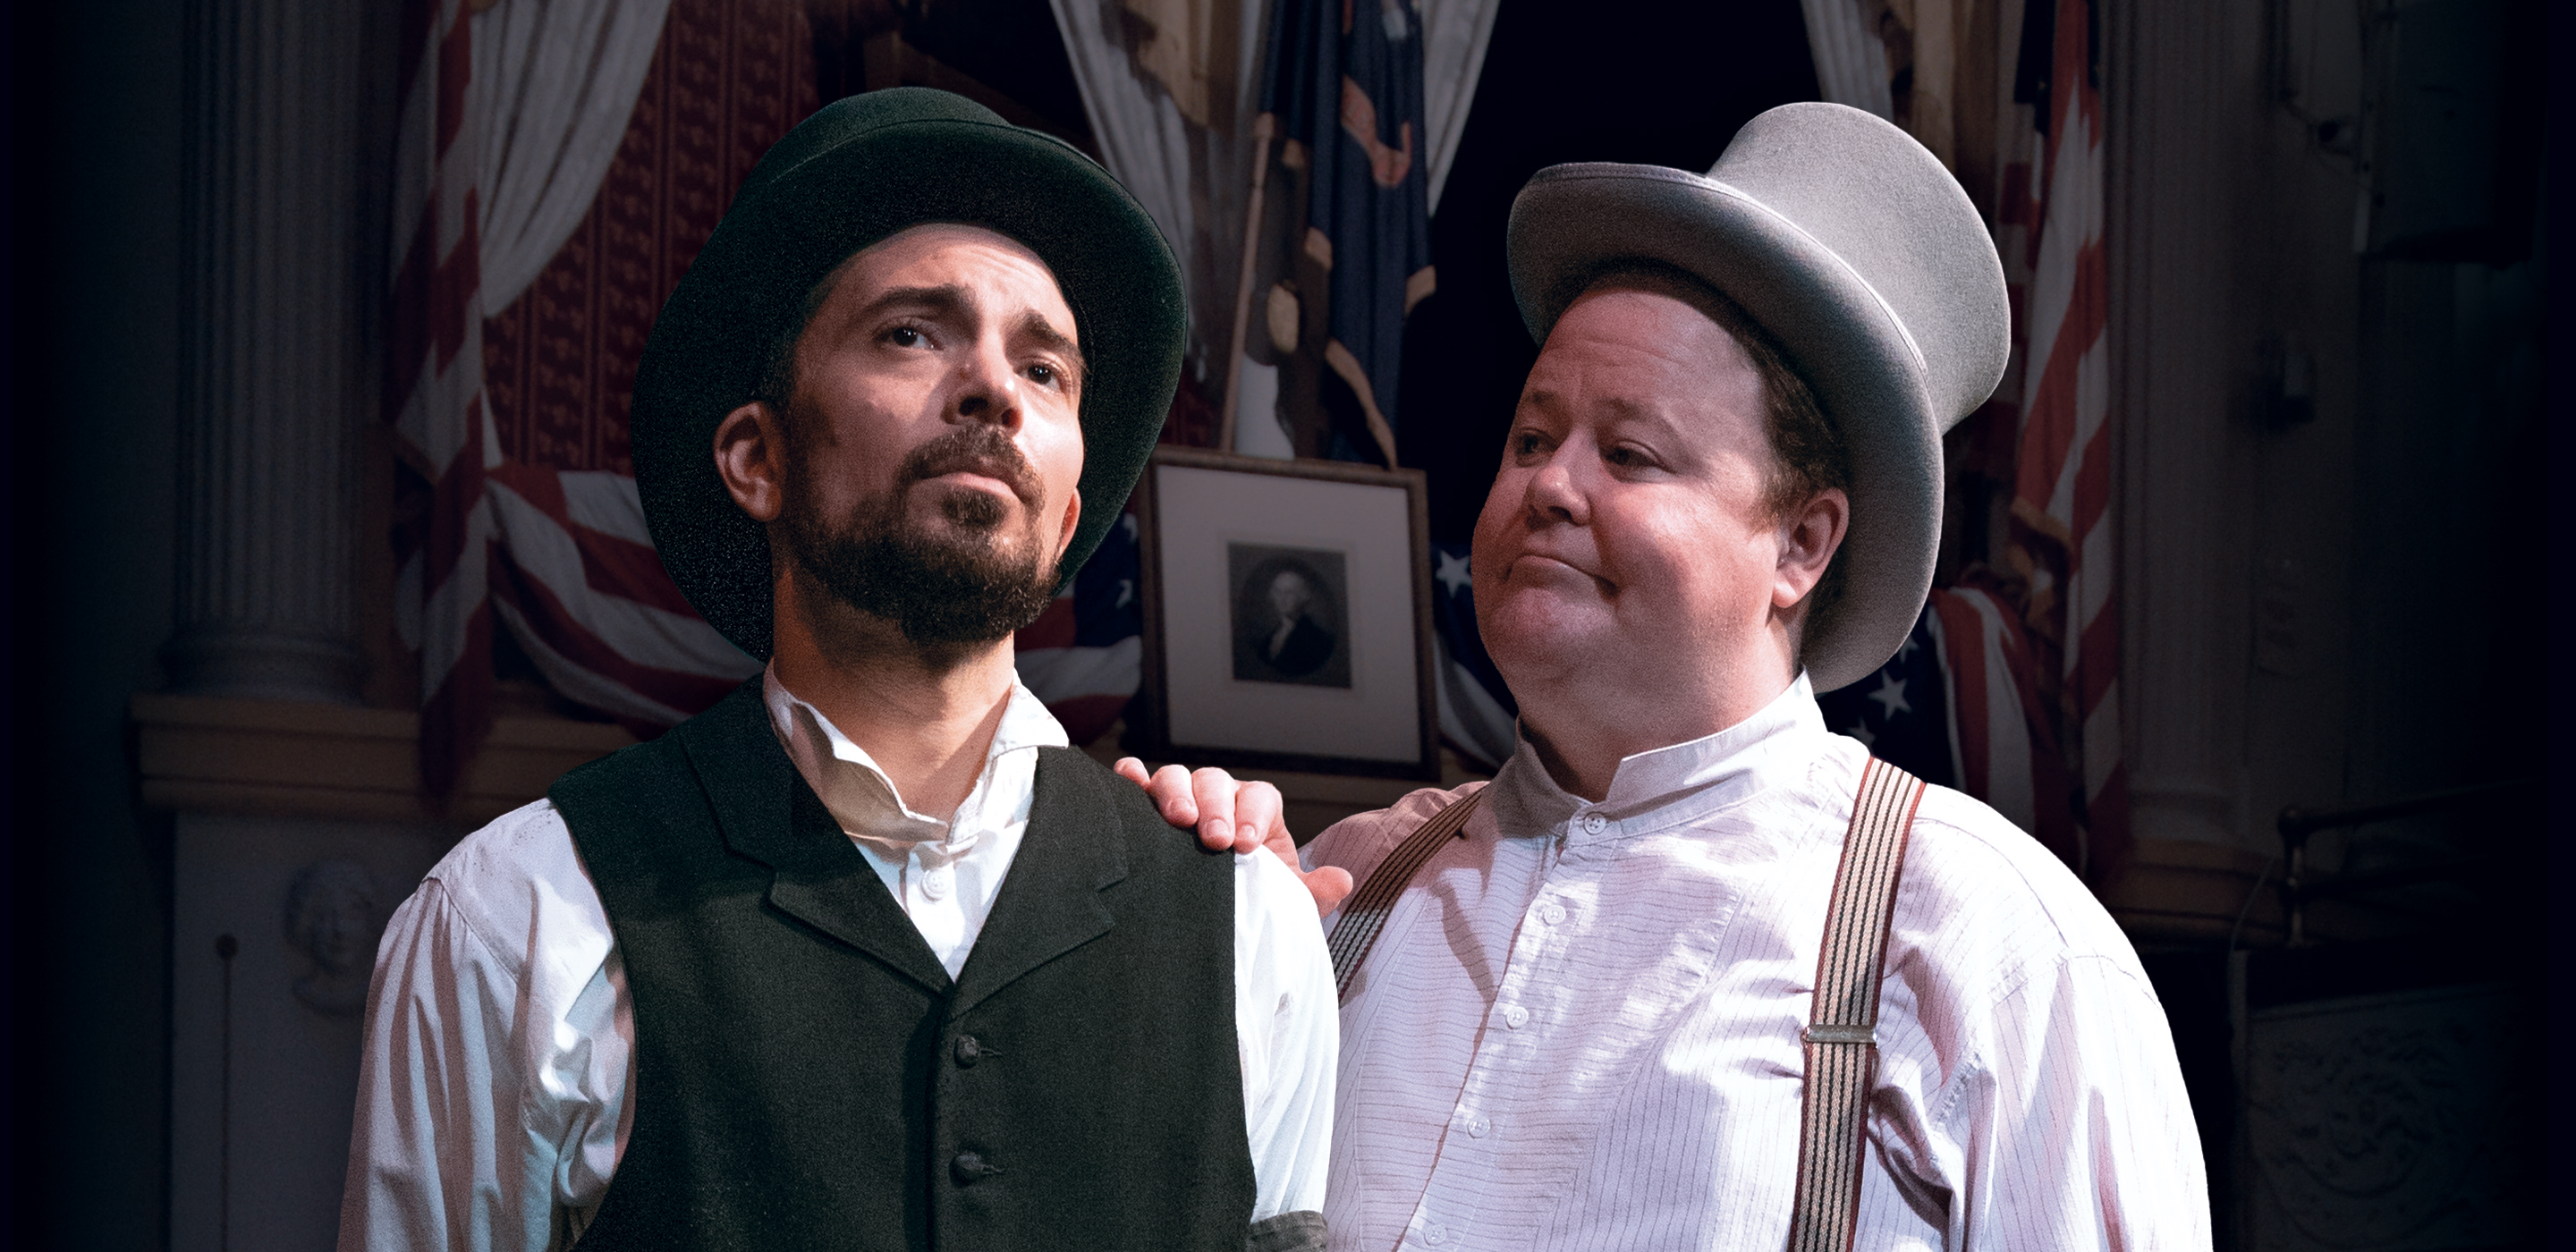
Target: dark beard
(938, 588)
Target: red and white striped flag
(2061, 509)
(2003, 749)
(434, 386)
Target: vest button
(968, 1052)
(969, 1167)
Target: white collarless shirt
(498, 1087)
(1579, 1030)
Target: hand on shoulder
(1229, 814)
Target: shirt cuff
(1300, 1231)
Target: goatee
(940, 585)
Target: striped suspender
(1841, 1036)
(1365, 915)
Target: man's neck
(1583, 725)
(925, 715)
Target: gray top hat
(1857, 252)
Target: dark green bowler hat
(858, 171)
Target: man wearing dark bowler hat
(865, 956)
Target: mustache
(981, 450)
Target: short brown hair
(1807, 449)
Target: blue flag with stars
(1453, 611)
(1902, 711)
(1345, 81)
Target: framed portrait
(1287, 616)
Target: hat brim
(1839, 334)
(789, 230)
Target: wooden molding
(2185, 893)
(281, 759)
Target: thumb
(1328, 885)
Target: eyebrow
(1621, 409)
(1034, 325)
(949, 300)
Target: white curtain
(553, 84)
(1851, 61)
(1454, 35)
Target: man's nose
(988, 389)
(1554, 495)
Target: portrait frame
(1287, 616)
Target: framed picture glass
(1287, 616)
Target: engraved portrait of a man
(1289, 616)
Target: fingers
(1260, 820)
(1328, 885)
(1215, 790)
(1133, 771)
(1170, 791)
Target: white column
(273, 385)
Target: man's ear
(751, 456)
(1809, 538)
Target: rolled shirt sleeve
(1287, 1029)
(495, 1080)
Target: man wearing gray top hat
(865, 956)
(1695, 972)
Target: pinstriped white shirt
(1579, 1030)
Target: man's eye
(904, 337)
(1043, 373)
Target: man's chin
(1545, 629)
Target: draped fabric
(575, 578)
(558, 79)
(1851, 62)
(2062, 535)
(2006, 93)
(1454, 35)
(1172, 112)
(434, 386)
(1344, 85)
(1173, 121)
(510, 125)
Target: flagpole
(1262, 127)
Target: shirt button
(1477, 1126)
(1551, 913)
(1594, 823)
(1514, 1015)
(935, 883)
(1435, 1234)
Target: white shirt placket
(1508, 1069)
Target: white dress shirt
(1580, 1027)
(498, 1084)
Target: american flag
(1958, 706)
(434, 386)
(2062, 525)
(1084, 656)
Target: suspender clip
(1819, 1032)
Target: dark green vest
(807, 1076)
